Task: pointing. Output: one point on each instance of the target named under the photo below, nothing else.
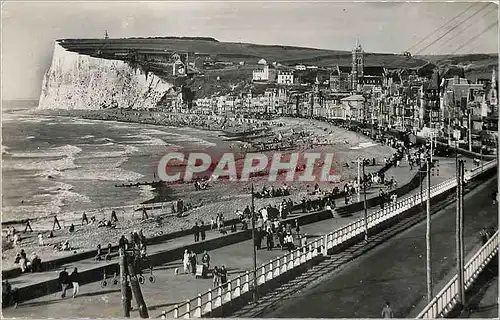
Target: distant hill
(237, 78)
(232, 51)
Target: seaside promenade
(169, 288)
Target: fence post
(209, 303)
(176, 311)
(247, 281)
(188, 310)
(325, 245)
(285, 264)
(269, 275)
(277, 268)
(218, 299)
(197, 312)
(237, 290)
(229, 294)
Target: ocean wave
(146, 140)
(105, 140)
(57, 187)
(127, 150)
(63, 151)
(30, 137)
(89, 136)
(4, 149)
(47, 167)
(157, 132)
(146, 193)
(103, 171)
(61, 198)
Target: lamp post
(428, 226)
(254, 251)
(428, 232)
(365, 216)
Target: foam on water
(157, 132)
(146, 140)
(4, 149)
(146, 193)
(107, 140)
(89, 136)
(60, 194)
(103, 171)
(64, 151)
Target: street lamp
(254, 251)
(361, 162)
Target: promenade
(170, 289)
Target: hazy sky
(30, 28)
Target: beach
(223, 197)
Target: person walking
(387, 311)
(223, 277)
(186, 262)
(64, 281)
(85, 218)
(216, 277)
(192, 260)
(196, 232)
(202, 231)
(74, 281)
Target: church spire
(493, 79)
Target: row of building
(419, 99)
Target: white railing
(216, 297)
(446, 299)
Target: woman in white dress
(185, 262)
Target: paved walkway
(170, 289)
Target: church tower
(357, 65)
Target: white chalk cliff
(76, 81)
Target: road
(395, 271)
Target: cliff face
(77, 81)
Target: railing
(216, 297)
(234, 288)
(446, 299)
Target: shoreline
(222, 197)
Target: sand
(221, 197)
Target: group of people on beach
(34, 264)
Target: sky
(29, 29)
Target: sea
(55, 164)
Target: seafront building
(421, 100)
